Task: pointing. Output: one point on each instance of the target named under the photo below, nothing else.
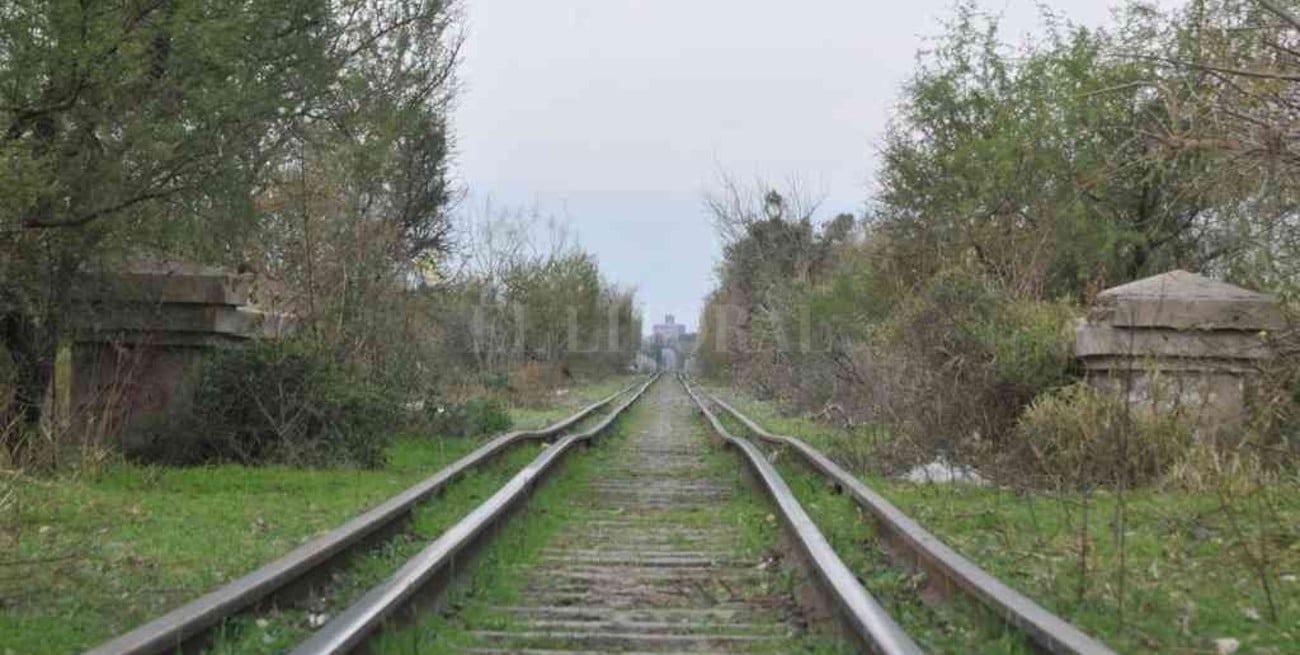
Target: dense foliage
(279, 403)
(305, 142)
(1014, 185)
(265, 135)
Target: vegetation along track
(656, 545)
(299, 574)
(660, 552)
(946, 571)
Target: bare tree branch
(1281, 12)
(1243, 72)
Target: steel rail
(352, 627)
(865, 615)
(1047, 630)
(194, 620)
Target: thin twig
(1281, 12)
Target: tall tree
(167, 128)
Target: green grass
(956, 626)
(277, 631)
(85, 558)
(1188, 577)
(556, 408)
(493, 579)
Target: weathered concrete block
(1097, 344)
(179, 324)
(141, 334)
(166, 282)
(129, 393)
(1186, 301)
(1179, 342)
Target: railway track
(653, 561)
(657, 556)
(297, 575)
(947, 571)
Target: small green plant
(498, 381)
(477, 416)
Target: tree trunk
(33, 357)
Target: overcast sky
(618, 116)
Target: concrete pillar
(1179, 342)
(139, 335)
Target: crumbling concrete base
(1213, 401)
(1179, 343)
(141, 337)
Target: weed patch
(1190, 562)
(277, 631)
(91, 557)
(497, 579)
(949, 626)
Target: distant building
(667, 346)
(669, 361)
(670, 330)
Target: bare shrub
(7, 377)
(1084, 438)
(961, 360)
(1267, 447)
(531, 383)
(280, 403)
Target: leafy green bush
(498, 381)
(1032, 346)
(967, 358)
(474, 417)
(280, 403)
(962, 319)
(1080, 436)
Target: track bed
(659, 555)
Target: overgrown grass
(958, 626)
(558, 407)
(1188, 576)
(90, 557)
(494, 577)
(1191, 563)
(278, 631)
(494, 580)
(761, 534)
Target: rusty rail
(1046, 630)
(192, 622)
(351, 628)
(869, 621)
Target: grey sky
(619, 115)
